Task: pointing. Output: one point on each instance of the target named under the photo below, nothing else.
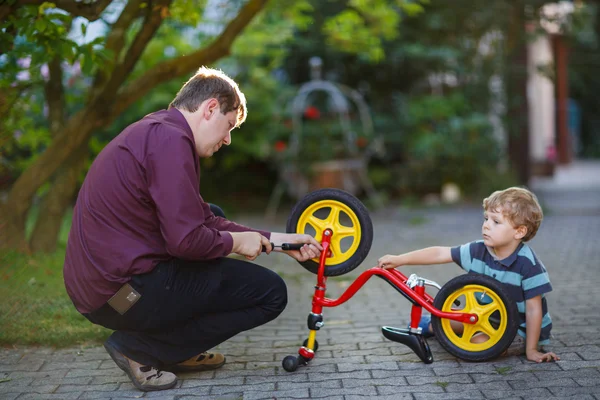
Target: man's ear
(211, 107)
(521, 232)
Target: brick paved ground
(354, 360)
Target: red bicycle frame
(418, 295)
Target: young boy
(511, 218)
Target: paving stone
(231, 381)
(355, 361)
(572, 391)
(50, 396)
(385, 390)
(422, 380)
(359, 367)
(483, 378)
(526, 394)
(396, 396)
(177, 392)
(108, 387)
(469, 394)
(579, 365)
(228, 389)
(317, 377)
(22, 366)
(121, 394)
(328, 384)
(366, 390)
(27, 389)
(278, 394)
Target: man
(146, 256)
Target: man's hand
(536, 356)
(311, 249)
(388, 262)
(249, 244)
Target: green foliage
(584, 63)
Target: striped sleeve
(535, 281)
(466, 254)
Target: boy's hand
(388, 262)
(536, 356)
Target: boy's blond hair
(519, 206)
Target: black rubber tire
(290, 363)
(316, 345)
(511, 311)
(364, 220)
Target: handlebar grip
(264, 248)
(286, 246)
(292, 246)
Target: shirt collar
(510, 260)
(178, 119)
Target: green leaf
(83, 28)
(41, 24)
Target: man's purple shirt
(140, 204)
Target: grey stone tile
(525, 384)
(23, 366)
(180, 392)
(575, 391)
(359, 367)
(362, 391)
(50, 396)
(231, 381)
(466, 395)
(278, 394)
(526, 394)
(390, 390)
(318, 377)
(423, 380)
(27, 389)
(350, 383)
(327, 384)
(108, 387)
(228, 389)
(507, 377)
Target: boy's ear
(521, 232)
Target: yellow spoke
(487, 328)
(336, 248)
(487, 310)
(318, 224)
(468, 332)
(333, 217)
(470, 301)
(344, 231)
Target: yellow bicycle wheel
(497, 314)
(347, 218)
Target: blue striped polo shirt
(522, 273)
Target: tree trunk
(76, 132)
(518, 110)
(44, 237)
(104, 105)
(11, 236)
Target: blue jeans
(188, 307)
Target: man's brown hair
(520, 206)
(210, 83)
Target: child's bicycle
(479, 304)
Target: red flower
(312, 112)
(280, 146)
(361, 142)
